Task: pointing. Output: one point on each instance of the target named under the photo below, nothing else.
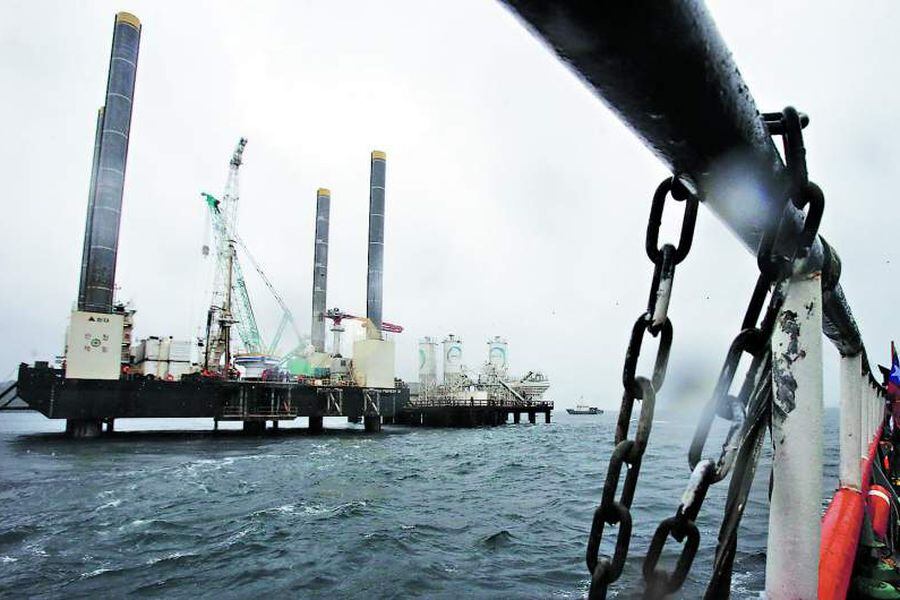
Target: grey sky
(516, 202)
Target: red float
(878, 505)
(841, 526)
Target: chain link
(745, 432)
(758, 412)
(629, 452)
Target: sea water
(498, 512)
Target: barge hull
(47, 391)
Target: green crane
(234, 307)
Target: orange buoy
(840, 535)
(878, 505)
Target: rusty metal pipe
(663, 68)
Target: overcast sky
(516, 202)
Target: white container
(94, 346)
(373, 363)
(151, 367)
(147, 349)
(178, 369)
(165, 345)
(180, 351)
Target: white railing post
(873, 410)
(851, 424)
(864, 420)
(868, 399)
(871, 413)
(792, 565)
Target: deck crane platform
(244, 317)
(223, 220)
(337, 316)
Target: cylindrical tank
(106, 210)
(320, 269)
(453, 352)
(376, 239)
(427, 362)
(498, 356)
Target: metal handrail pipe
(665, 70)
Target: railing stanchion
(863, 427)
(871, 411)
(867, 398)
(867, 424)
(878, 408)
(851, 425)
(792, 565)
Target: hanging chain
(748, 410)
(629, 452)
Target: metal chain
(629, 452)
(705, 472)
(758, 412)
(745, 432)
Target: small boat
(583, 409)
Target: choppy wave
(484, 513)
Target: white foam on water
(110, 504)
(170, 556)
(93, 573)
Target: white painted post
(872, 408)
(851, 425)
(792, 564)
(867, 423)
(867, 396)
(864, 422)
(871, 412)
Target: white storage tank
(453, 352)
(427, 362)
(498, 356)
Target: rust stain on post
(786, 387)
